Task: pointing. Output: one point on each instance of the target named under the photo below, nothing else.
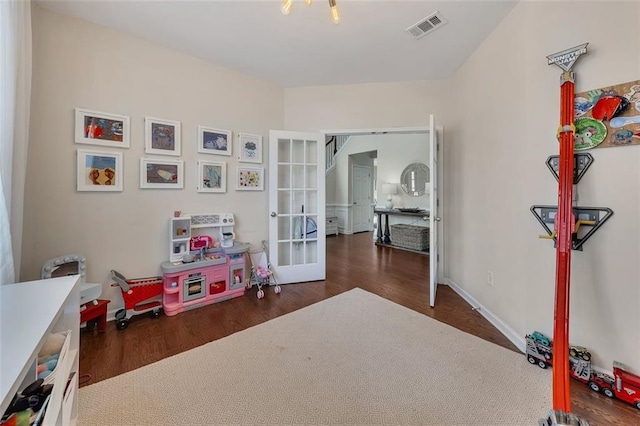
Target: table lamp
(389, 189)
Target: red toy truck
(626, 386)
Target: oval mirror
(414, 179)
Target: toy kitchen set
(206, 265)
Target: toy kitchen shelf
(213, 274)
(220, 225)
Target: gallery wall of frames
(101, 168)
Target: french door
(297, 245)
(434, 216)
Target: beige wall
(78, 64)
(496, 170)
(364, 106)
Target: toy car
(600, 382)
(540, 338)
(580, 352)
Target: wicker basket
(410, 236)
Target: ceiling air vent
(426, 25)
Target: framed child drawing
(212, 177)
(99, 170)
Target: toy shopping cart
(140, 295)
(261, 272)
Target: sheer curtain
(15, 92)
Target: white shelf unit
(29, 312)
(180, 236)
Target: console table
(385, 239)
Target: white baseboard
(503, 328)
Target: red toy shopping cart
(140, 295)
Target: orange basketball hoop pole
(564, 226)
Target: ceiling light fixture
(333, 8)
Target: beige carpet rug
(353, 359)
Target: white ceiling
(305, 48)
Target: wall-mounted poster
(608, 117)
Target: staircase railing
(333, 146)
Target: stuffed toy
(53, 345)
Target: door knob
(437, 218)
(273, 214)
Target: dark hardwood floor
(352, 261)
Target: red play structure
(564, 227)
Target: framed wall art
(99, 171)
(249, 148)
(212, 177)
(161, 173)
(214, 141)
(161, 136)
(250, 179)
(101, 128)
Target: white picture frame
(250, 178)
(212, 176)
(249, 148)
(102, 128)
(161, 173)
(99, 171)
(161, 137)
(214, 141)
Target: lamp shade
(389, 188)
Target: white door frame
(410, 130)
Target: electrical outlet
(490, 278)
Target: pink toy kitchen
(206, 265)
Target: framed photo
(102, 128)
(250, 179)
(212, 177)
(161, 173)
(99, 171)
(214, 141)
(249, 148)
(161, 136)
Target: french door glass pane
(312, 227)
(284, 202)
(284, 253)
(284, 173)
(297, 253)
(311, 177)
(310, 206)
(284, 151)
(299, 228)
(312, 152)
(298, 155)
(297, 177)
(284, 228)
(312, 252)
(298, 202)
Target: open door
(297, 240)
(434, 217)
